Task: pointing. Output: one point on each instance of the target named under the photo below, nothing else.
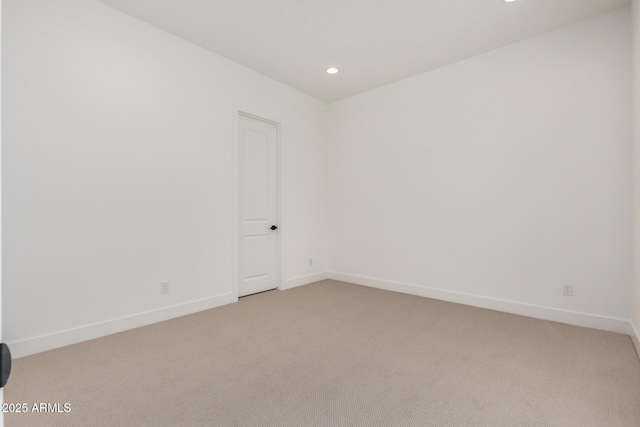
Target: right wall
(635, 10)
(497, 180)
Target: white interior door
(258, 206)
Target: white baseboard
(546, 313)
(304, 280)
(635, 337)
(96, 330)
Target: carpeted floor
(336, 354)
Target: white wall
(495, 180)
(490, 182)
(1, 336)
(118, 174)
(636, 171)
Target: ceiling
(372, 42)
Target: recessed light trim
(332, 70)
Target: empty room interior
(306, 213)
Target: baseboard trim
(635, 338)
(55, 340)
(304, 280)
(546, 313)
(42, 343)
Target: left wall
(118, 173)
(635, 299)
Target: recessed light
(509, 1)
(332, 70)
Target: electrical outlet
(164, 287)
(567, 290)
(310, 262)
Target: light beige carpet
(335, 354)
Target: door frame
(237, 182)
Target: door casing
(237, 180)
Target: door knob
(274, 227)
(5, 364)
